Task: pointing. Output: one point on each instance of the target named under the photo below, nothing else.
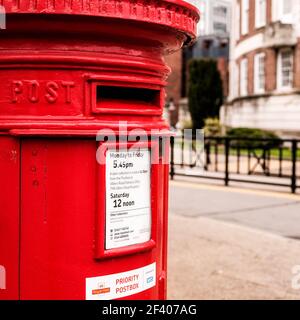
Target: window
(259, 73)
(207, 43)
(260, 13)
(244, 77)
(235, 80)
(220, 27)
(220, 11)
(285, 11)
(223, 44)
(286, 6)
(238, 21)
(245, 16)
(285, 76)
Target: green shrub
(205, 91)
(249, 133)
(212, 127)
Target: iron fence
(274, 162)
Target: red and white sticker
(120, 285)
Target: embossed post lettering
(51, 89)
(68, 85)
(17, 89)
(34, 91)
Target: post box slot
(116, 96)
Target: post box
(83, 206)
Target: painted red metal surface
(68, 70)
(9, 217)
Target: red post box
(82, 217)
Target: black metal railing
(274, 162)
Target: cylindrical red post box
(83, 206)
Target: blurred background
(234, 199)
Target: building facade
(264, 90)
(215, 18)
(212, 42)
(174, 87)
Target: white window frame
(280, 85)
(245, 17)
(283, 16)
(234, 86)
(260, 13)
(259, 73)
(238, 21)
(244, 77)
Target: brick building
(265, 66)
(174, 87)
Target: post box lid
(175, 14)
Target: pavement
(232, 243)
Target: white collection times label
(119, 285)
(128, 198)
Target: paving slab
(211, 259)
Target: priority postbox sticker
(128, 203)
(120, 285)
